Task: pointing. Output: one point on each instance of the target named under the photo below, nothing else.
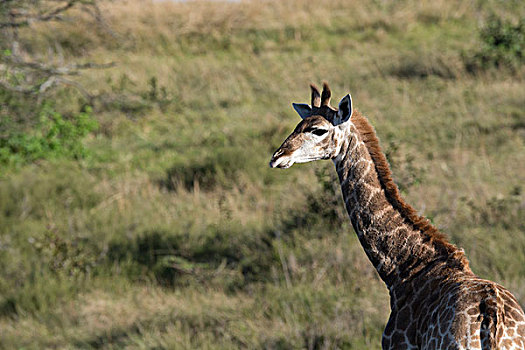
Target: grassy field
(173, 232)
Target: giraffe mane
(431, 234)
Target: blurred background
(137, 208)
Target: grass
(172, 232)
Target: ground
(173, 232)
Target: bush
(235, 256)
(70, 256)
(324, 206)
(53, 136)
(209, 171)
(502, 45)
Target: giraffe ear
(303, 109)
(345, 110)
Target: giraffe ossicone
(437, 302)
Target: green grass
(172, 231)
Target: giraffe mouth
(281, 162)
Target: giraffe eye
(319, 132)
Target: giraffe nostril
(273, 163)
(278, 153)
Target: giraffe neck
(399, 243)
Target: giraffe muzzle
(279, 160)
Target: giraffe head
(317, 136)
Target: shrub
(502, 45)
(236, 256)
(209, 171)
(71, 256)
(53, 136)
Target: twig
(77, 85)
(38, 77)
(71, 69)
(17, 88)
(52, 15)
(96, 13)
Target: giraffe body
(436, 300)
(458, 311)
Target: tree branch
(19, 74)
(43, 17)
(71, 69)
(17, 88)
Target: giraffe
(436, 301)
